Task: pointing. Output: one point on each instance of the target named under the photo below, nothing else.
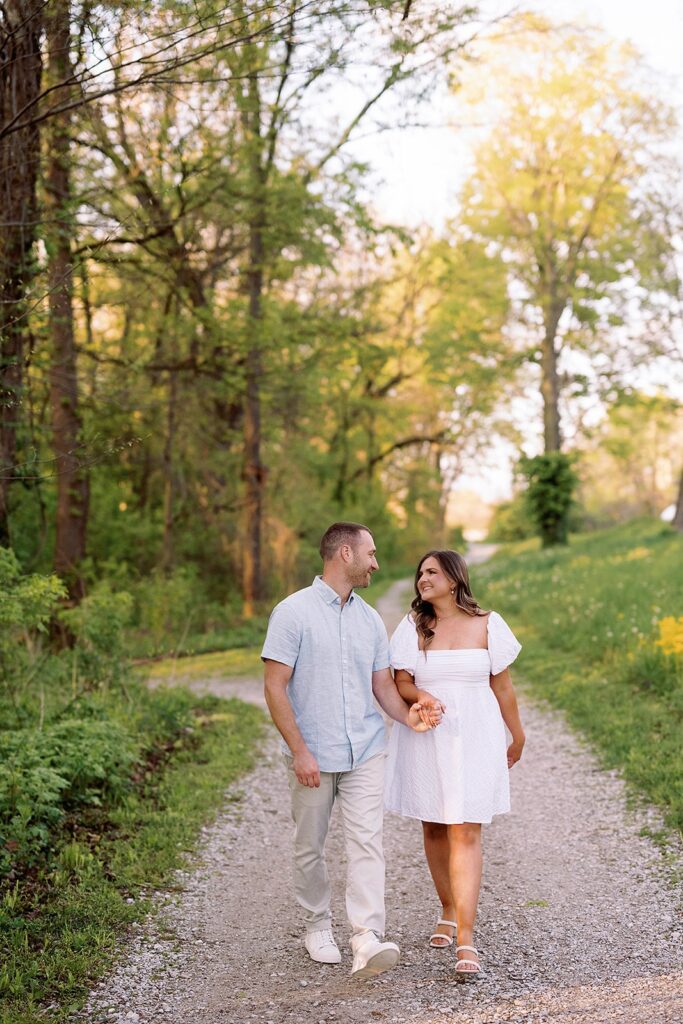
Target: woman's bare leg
(465, 879)
(437, 851)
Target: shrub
(511, 521)
(549, 494)
(26, 606)
(168, 606)
(98, 623)
(43, 774)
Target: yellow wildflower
(671, 635)
(636, 553)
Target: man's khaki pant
(360, 793)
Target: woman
(454, 777)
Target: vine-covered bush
(551, 482)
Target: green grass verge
(248, 633)
(245, 661)
(589, 618)
(60, 928)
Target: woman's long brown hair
(454, 567)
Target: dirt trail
(579, 920)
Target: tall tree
(21, 27)
(571, 187)
(71, 475)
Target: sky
(418, 170)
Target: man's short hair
(338, 534)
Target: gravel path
(580, 922)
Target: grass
(247, 633)
(590, 618)
(60, 925)
(244, 661)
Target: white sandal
(447, 939)
(465, 975)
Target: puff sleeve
(403, 649)
(503, 644)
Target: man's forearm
(389, 699)
(283, 717)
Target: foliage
(168, 606)
(630, 459)
(44, 774)
(511, 521)
(61, 928)
(574, 186)
(361, 364)
(592, 617)
(26, 606)
(38, 684)
(98, 623)
(549, 494)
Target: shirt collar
(327, 593)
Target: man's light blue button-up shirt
(333, 650)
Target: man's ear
(346, 552)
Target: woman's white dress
(458, 771)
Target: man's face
(363, 562)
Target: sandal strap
(471, 949)
(473, 962)
(442, 920)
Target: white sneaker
(371, 957)
(322, 948)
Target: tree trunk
(550, 388)
(253, 472)
(441, 507)
(72, 480)
(169, 488)
(21, 25)
(678, 514)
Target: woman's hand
(515, 751)
(421, 718)
(432, 710)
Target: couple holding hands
(326, 656)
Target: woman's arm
(405, 684)
(504, 692)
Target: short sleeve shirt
(333, 650)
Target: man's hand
(306, 769)
(421, 718)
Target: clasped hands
(426, 713)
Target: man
(326, 654)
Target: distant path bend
(579, 921)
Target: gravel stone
(580, 916)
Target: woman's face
(432, 582)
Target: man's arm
(391, 702)
(275, 678)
